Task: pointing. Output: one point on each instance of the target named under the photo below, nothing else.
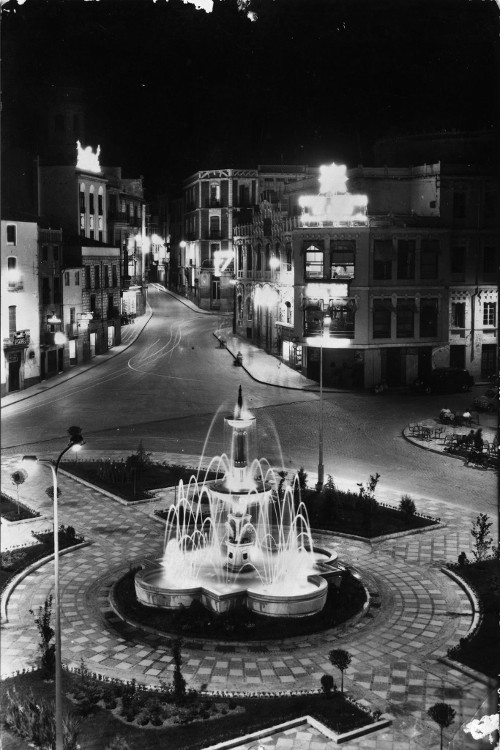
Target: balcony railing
(118, 216)
(17, 338)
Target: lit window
(11, 234)
(489, 313)
(314, 263)
(12, 273)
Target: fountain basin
(154, 589)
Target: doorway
(14, 371)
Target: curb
(90, 367)
(490, 682)
(23, 573)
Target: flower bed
(241, 624)
(480, 650)
(13, 510)
(131, 483)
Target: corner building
(386, 297)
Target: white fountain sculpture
(240, 540)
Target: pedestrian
(478, 441)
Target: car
(488, 401)
(445, 379)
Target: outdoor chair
(414, 429)
(438, 431)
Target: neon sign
(87, 159)
(334, 205)
(222, 259)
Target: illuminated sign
(334, 205)
(87, 159)
(222, 259)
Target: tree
(407, 506)
(340, 659)
(46, 631)
(443, 715)
(482, 536)
(18, 477)
(179, 681)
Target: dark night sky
(172, 89)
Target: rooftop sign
(87, 159)
(334, 206)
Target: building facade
(53, 345)
(382, 292)
(20, 319)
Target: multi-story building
(127, 229)
(378, 283)
(53, 344)
(214, 202)
(20, 320)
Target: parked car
(445, 379)
(488, 401)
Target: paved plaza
(416, 613)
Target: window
(92, 303)
(489, 313)
(97, 277)
(458, 314)
(11, 234)
(77, 278)
(45, 291)
(82, 198)
(214, 194)
(406, 259)
(91, 200)
(82, 225)
(458, 256)
(87, 278)
(12, 319)
(428, 317)
(66, 278)
(110, 305)
(45, 253)
(490, 260)
(55, 254)
(267, 227)
(240, 258)
(405, 318)
(57, 289)
(249, 309)
(249, 258)
(215, 289)
(288, 312)
(429, 253)
(342, 259)
(72, 315)
(214, 227)
(382, 259)
(382, 311)
(288, 254)
(115, 276)
(458, 209)
(259, 258)
(106, 276)
(267, 257)
(100, 202)
(314, 263)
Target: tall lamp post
(75, 443)
(321, 466)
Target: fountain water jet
(252, 546)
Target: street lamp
(321, 467)
(76, 442)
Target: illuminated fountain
(239, 541)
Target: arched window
(288, 256)
(268, 257)
(214, 194)
(240, 258)
(82, 198)
(259, 258)
(100, 198)
(288, 312)
(91, 200)
(214, 227)
(249, 257)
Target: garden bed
(15, 560)
(13, 510)
(241, 624)
(242, 715)
(345, 512)
(131, 483)
(481, 651)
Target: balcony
(212, 203)
(118, 216)
(214, 234)
(17, 339)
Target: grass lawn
(113, 477)
(482, 651)
(11, 510)
(345, 512)
(100, 727)
(242, 624)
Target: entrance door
(457, 356)
(93, 337)
(14, 368)
(60, 359)
(488, 360)
(393, 366)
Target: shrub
(407, 506)
(302, 478)
(327, 684)
(46, 632)
(463, 560)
